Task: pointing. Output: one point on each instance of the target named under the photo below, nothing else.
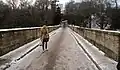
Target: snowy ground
(97, 56)
(12, 57)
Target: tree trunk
(116, 4)
(90, 22)
(101, 26)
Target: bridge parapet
(11, 39)
(106, 40)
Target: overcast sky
(65, 1)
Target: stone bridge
(106, 40)
(70, 48)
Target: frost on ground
(63, 54)
(98, 56)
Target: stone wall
(106, 40)
(11, 39)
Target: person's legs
(46, 45)
(43, 45)
(118, 66)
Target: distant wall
(105, 40)
(11, 39)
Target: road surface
(64, 53)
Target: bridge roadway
(64, 53)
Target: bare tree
(13, 3)
(24, 4)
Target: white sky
(64, 1)
(60, 1)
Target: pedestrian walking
(44, 35)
